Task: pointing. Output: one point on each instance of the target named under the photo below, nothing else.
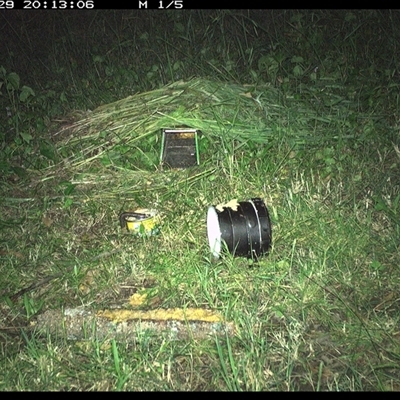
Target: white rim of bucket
(213, 232)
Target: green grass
(320, 146)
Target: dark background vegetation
(117, 52)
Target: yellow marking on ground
(137, 299)
(177, 314)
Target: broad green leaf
(13, 79)
(26, 136)
(26, 91)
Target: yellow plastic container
(143, 222)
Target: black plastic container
(179, 148)
(244, 227)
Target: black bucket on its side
(244, 226)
